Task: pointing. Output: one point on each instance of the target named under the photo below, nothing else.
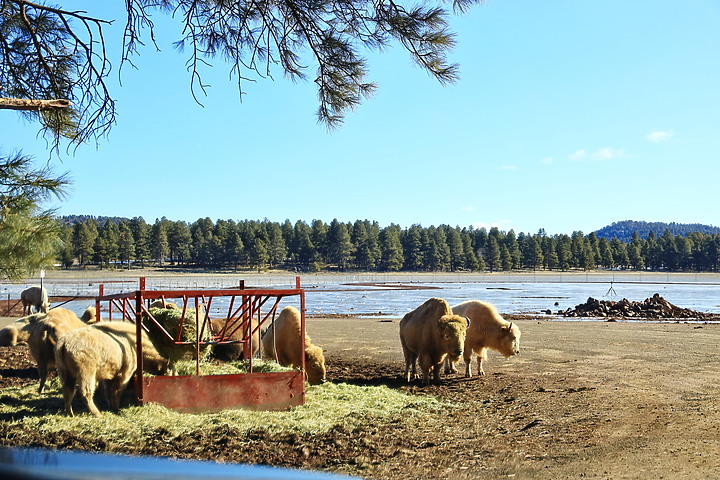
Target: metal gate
(252, 390)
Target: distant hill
(73, 219)
(624, 230)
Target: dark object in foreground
(655, 307)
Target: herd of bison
(500, 423)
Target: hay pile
(188, 367)
(327, 406)
(170, 319)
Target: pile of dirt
(655, 307)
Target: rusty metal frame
(277, 390)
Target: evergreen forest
(364, 246)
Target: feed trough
(208, 318)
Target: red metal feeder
(252, 390)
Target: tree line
(364, 246)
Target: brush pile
(656, 308)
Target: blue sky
(569, 115)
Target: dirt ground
(582, 400)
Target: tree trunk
(32, 104)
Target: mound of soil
(656, 308)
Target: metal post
(138, 332)
(302, 326)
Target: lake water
(394, 295)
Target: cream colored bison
(282, 342)
(35, 297)
(105, 351)
(161, 303)
(428, 334)
(90, 315)
(487, 330)
(19, 331)
(45, 334)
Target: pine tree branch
(33, 104)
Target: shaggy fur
(36, 298)
(282, 342)
(487, 330)
(105, 351)
(161, 303)
(45, 335)
(19, 331)
(428, 334)
(90, 315)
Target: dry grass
(326, 406)
(171, 319)
(187, 367)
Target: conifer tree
(141, 233)
(83, 239)
(179, 240)
(159, 244)
(28, 235)
(340, 247)
(391, 247)
(413, 248)
(277, 248)
(306, 252)
(493, 258)
(54, 53)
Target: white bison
(282, 342)
(35, 297)
(19, 331)
(487, 330)
(428, 334)
(105, 351)
(45, 333)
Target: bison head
(510, 340)
(314, 365)
(452, 334)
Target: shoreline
(307, 279)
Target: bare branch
(32, 104)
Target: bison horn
(468, 321)
(509, 327)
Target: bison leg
(450, 364)
(87, 391)
(68, 390)
(481, 356)
(43, 372)
(410, 359)
(425, 363)
(113, 391)
(410, 368)
(467, 357)
(436, 372)
(480, 370)
(426, 376)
